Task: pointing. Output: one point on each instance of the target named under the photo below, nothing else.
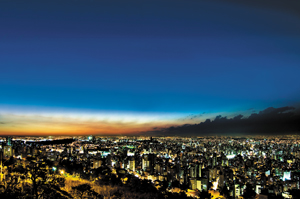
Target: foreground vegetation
(36, 179)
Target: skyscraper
(7, 152)
(8, 141)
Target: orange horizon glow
(112, 128)
(41, 121)
(76, 124)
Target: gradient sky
(117, 67)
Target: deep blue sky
(189, 56)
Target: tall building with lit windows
(9, 141)
(131, 163)
(148, 163)
(7, 152)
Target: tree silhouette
(295, 193)
(86, 189)
(249, 192)
(42, 180)
(11, 188)
(225, 192)
(204, 194)
(81, 189)
(9, 162)
(175, 183)
(116, 195)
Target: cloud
(195, 116)
(270, 121)
(192, 117)
(272, 110)
(238, 117)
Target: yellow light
(61, 172)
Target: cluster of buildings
(270, 166)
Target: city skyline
(133, 67)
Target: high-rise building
(7, 152)
(148, 163)
(9, 141)
(204, 183)
(198, 169)
(193, 171)
(159, 168)
(193, 183)
(214, 159)
(70, 150)
(131, 163)
(199, 186)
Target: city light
(208, 164)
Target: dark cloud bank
(271, 121)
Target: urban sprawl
(221, 167)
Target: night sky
(121, 67)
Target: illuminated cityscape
(149, 99)
(173, 167)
